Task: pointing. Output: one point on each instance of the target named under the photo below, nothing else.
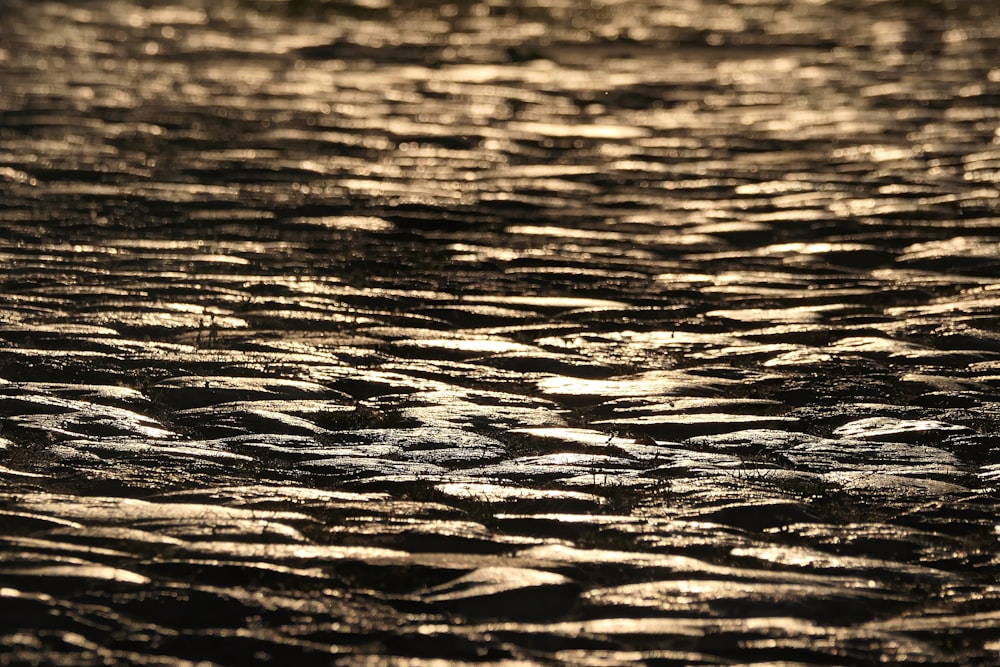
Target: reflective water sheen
(504, 332)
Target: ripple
(534, 332)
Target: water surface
(587, 333)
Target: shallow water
(593, 333)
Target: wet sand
(418, 333)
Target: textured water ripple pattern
(416, 333)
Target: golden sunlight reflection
(347, 222)
(502, 493)
(475, 345)
(521, 332)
